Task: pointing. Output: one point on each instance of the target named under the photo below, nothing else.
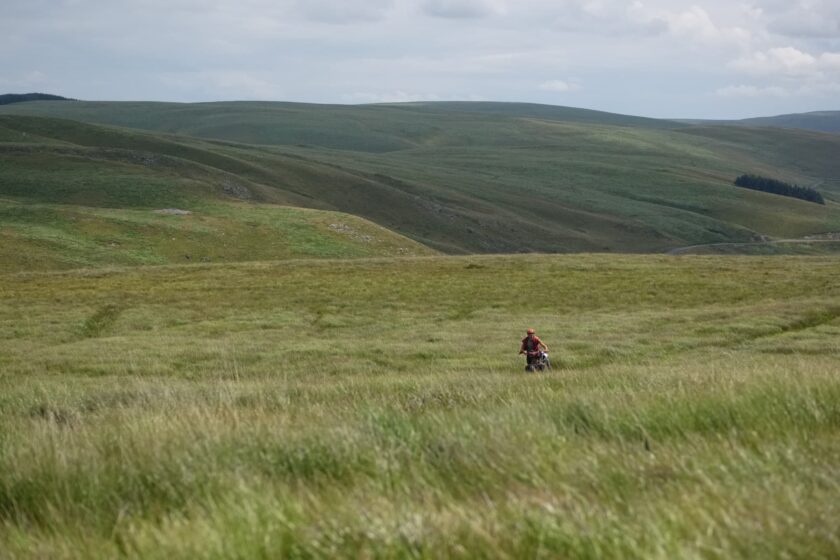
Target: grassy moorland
(822, 121)
(377, 408)
(825, 121)
(371, 128)
(73, 196)
(460, 177)
(287, 395)
(38, 236)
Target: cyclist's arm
(543, 345)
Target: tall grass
(379, 409)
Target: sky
(678, 59)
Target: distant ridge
(536, 111)
(821, 121)
(818, 121)
(9, 98)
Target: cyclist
(533, 348)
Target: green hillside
(534, 111)
(821, 121)
(9, 98)
(55, 236)
(74, 195)
(372, 128)
(458, 177)
(809, 155)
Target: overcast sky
(674, 58)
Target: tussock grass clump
(379, 409)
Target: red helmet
(531, 331)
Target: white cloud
(236, 84)
(830, 61)
(28, 81)
(344, 11)
(797, 74)
(610, 18)
(806, 19)
(752, 91)
(390, 97)
(808, 90)
(788, 62)
(696, 24)
(685, 23)
(694, 21)
(462, 9)
(669, 55)
(559, 86)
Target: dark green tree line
(764, 184)
(9, 98)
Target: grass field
(53, 236)
(377, 408)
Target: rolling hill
(9, 98)
(454, 177)
(819, 121)
(74, 195)
(368, 128)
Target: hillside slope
(821, 121)
(805, 157)
(371, 128)
(461, 177)
(818, 121)
(74, 195)
(9, 98)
